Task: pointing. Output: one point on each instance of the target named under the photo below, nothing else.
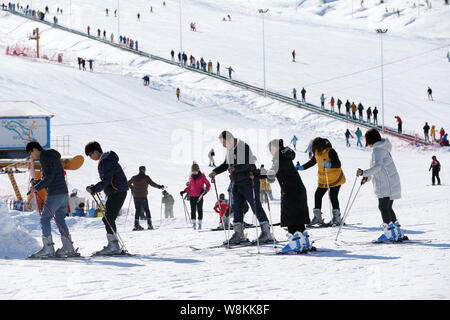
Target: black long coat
(294, 202)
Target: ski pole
(271, 224)
(160, 215)
(329, 192)
(128, 210)
(254, 209)
(348, 202)
(220, 208)
(186, 214)
(54, 217)
(102, 208)
(342, 222)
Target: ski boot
(137, 227)
(67, 250)
(298, 242)
(112, 248)
(336, 221)
(388, 233)
(194, 225)
(399, 232)
(317, 217)
(149, 223)
(265, 235)
(199, 224)
(47, 251)
(238, 235)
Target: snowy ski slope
(148, 126)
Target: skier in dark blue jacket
(55, 206)
(114, 184)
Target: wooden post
(14, 185)
(37, 42)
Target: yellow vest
(335, 175)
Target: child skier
(197, 182)
(113, 183)
(386, 182)
(294, 204)
(221, 207)
(168, 202)
(330, 178)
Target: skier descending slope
(240, 163)
(386, 182)
(330, 178)
(55, 206)
(114, 184)
(294, 202)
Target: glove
(300, 168)
(161, 187)
(326, 164)
(181, 193)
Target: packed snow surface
(148, 126)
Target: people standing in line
(330, 178)
(294, 93)
(172, 55)
(230, 70)
(433, 132)
(399, 124)
(303, 92)
(347, 137)
(375, 116)
(369, 114)
(386, 182)
(347, 108)
(332, 104)
(138, 185)
(436, 167)
(322, 101)
(360, 111)
(114, 184)
(353, 111)
(426, 129)
(339, 104)
(198, 187)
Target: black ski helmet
(221, 196)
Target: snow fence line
(414, 139)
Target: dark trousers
(139, 204)
(244, 193)
(435, 175)
(113, 205)
(320, 192)
(196, 207)
(294, 229)
(399, 128)
(385, 206)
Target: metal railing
(240, 84)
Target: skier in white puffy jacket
(386, 182)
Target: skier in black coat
(294, 202)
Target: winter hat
(222, 196)
(142, 168)
(195, 167)
(75, 191)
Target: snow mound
(14, 242)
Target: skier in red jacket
(221, 208)
(293, 56)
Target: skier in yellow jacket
(330, 177)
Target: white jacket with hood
(382, 171)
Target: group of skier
(82, 64)
(200, 64)
(431, 132)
